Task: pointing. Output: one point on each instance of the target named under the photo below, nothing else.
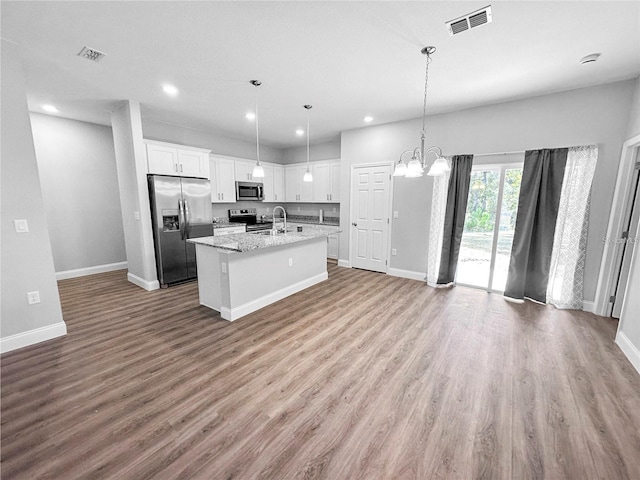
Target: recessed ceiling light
(299, 131)
(590, 58)
(368, 118)
(170, 90)
(50, 108)
(250, 116)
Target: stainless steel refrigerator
(180, 209)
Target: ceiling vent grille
(472, 20)
(91, 54)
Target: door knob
(355, 224)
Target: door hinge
(625, 235)
(386, 262)
(387, 220)
(612, 299)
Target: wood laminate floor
(365, 376)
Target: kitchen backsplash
(300, 211)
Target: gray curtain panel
(455, 211)
(538, 203)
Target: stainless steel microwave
(249, 191)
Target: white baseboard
(588, 306)
(398, 272)
(232, 314)
(344, 263)
(83, 272)
(149, 286)
(629, 349)
(31, 337)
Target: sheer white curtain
(436, 231)
(566, 275)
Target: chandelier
(418, 163)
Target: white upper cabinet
(278, 183)
(170, 159)
(296, 189)
(273, 182)
(334, 194)
(326, 181)
(223, 181)
(244, 171)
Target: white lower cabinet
(332, 246)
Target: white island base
(238, 283)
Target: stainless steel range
(249, 216)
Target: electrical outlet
(136, 215)
(291, 262)
(33, 297)
(223, 267)
(395, 214)
(394, 251)
(21, 226)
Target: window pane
(511, 192)
(477, 238)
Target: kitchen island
(241, 273)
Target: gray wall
(153, 130)
(27, 261)
(633, 128)
(586, 116)
(321, 151)
(79, 182)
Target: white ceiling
(347, 59)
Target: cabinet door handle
(180, 168)
(175, 167)
(222, 195)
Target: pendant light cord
(424, 104)
(257, 129)
(307, 140)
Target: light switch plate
(394, 251)
(395, 214)
(21, 225)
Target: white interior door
(370, 217)
(626, 245)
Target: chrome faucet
(284, 213)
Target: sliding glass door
(490, 220)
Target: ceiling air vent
(472, 20)
(91, 54)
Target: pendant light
(418, 163)
(308, 177)
(258, 171)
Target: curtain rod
(497, 153)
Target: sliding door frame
(502, 168)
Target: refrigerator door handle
(186, 219)
(182, 219)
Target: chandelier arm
(406, 151)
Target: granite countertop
(245, 242)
